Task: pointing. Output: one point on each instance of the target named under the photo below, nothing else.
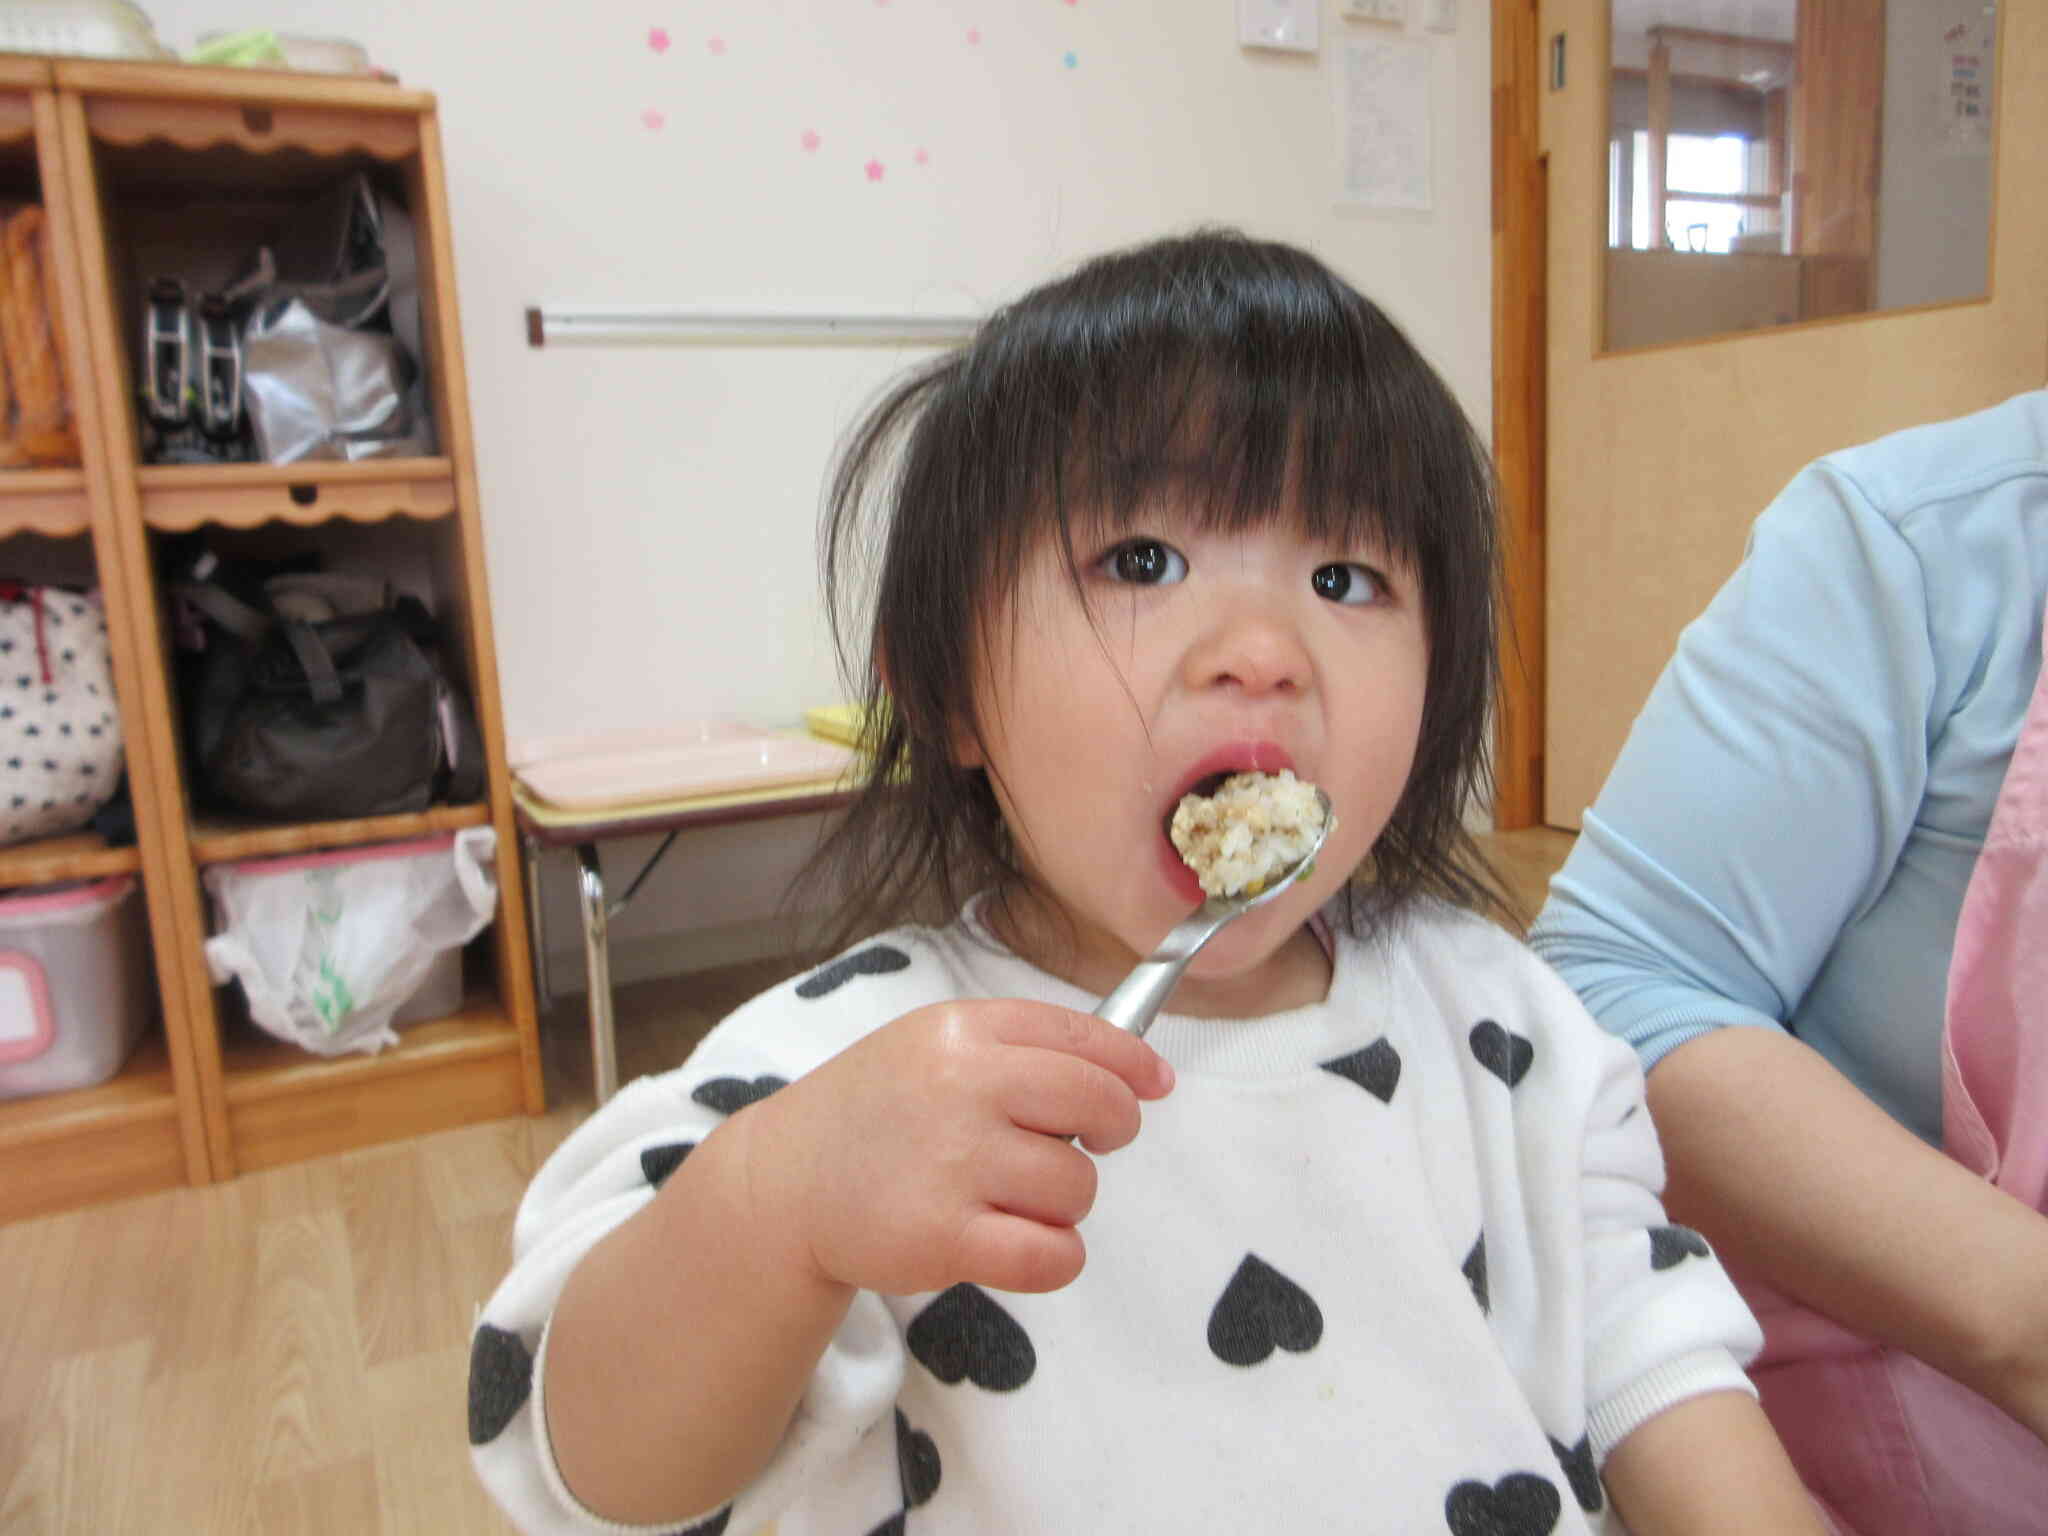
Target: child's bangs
(1237, 452)
(1293, 416)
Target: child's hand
(934, 1151)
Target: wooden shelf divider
(223, 842)
(74, 856)
(51, 502)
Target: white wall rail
(680, 327)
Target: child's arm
(1709, 1464)
(929, 1153)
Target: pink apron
(1888, 1445)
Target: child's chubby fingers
(1013, 1253)
(1067, 1096)
(1049, 1027)
(878, 1160)
(1037, 1178)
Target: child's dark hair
(1241, 374)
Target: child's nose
(1248, 646)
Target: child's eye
(1145, 563)
(1348, 582)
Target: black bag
(303, 720)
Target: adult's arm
(1761, 804)
(1765, 791)
(1799, 1179)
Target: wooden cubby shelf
(19, 79)
(120, 1137)
(147, 170)
(286, 1105)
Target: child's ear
(963, 744)
(966, 744)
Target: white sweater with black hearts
(1395, 1262)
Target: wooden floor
(286, 1352)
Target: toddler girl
(1386, 1254)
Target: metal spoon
(1139, 996)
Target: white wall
(650, 511)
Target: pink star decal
(655, 119)
(923, 157)
(973, 37)
(717, 45)
(657, 39)
(810, 140)
(875, 170)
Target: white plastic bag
(328, 948)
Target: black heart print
(657, 1163)
(1376, 1069)
(1580, 1472)
(1673, 1245)
(730, 1094)
(1520, 1504)
(875, 960)
(918, 1460)
(965, 1332)
(1474, 1269)
(1503, 1053)
(714, 1526)
(917, 1470)
(500, 1376)
(1259, 1309)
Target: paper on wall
(1965, 57)
(1385, 111)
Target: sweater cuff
(1693, 1375)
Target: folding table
(576, 793)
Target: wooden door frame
(1520, 293)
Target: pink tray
(645, 738)
(636, 768)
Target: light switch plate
(1393, 12)
(1292, 25)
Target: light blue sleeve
(1763, 795)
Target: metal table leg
(604, 1052)
(536, 926)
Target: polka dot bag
(60, 735)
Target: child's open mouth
(1246, 831)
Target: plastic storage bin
(75, 988)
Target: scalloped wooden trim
(305, 501)
(256, 126)
(45, 501)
